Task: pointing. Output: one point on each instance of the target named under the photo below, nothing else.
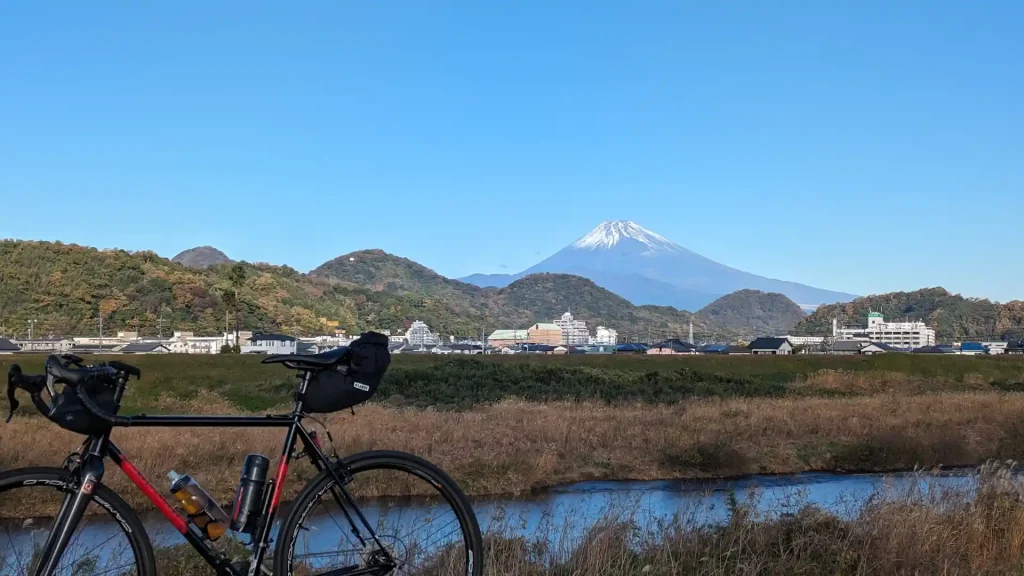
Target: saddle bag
(353, 380)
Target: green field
(454, 382)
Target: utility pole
(160, 328)
(101, 331)
(31, 326)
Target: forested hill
(762, 312)
(201, 257)
(66, 288)
(953, 316)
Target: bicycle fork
(72, 508)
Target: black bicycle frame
(99, 447)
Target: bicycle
(373, 545)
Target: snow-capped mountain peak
(611, 232)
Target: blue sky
(862, 146)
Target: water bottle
(202, 509)
(249, 497)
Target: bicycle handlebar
(113, 372)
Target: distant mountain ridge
(64, 288)
(548, 295)
(646, 268)
(201, 257)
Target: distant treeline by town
(462, 382)
(954, 317)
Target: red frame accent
(136, 477)
(282, 470)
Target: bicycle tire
(383, 460)
(105, 498)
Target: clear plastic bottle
(202, 509)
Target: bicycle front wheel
(399, 514)
(109, 540)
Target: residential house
(1015, 347)
(410, 349)
(631, 348)
(672, 346)
(770, 346)
(145, 348)
(848, 347)
(507, 338)
(441, 349)
(876, 348)
(466, 348)
(270, 344)
(714, 349)
(545, 333)
(939, 349)
(8, 347)
(529, 348)
(560, 350)
(973, 348)
(734, 350)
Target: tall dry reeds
(514, 446)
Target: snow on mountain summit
(611, 232)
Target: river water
(568, 511)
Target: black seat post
(305, 376)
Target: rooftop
(509, 335)
(271, 338)
(546, 326)
(765, 343)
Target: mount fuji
(647, 268)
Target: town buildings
(897, 334)
(419, 334)
(574, 332)
(545, 333)
(604, 336)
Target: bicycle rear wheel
(422, 520)
(109, 540)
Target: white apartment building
(897, 334)
(604, 336)
(574, 332)
(419, 334)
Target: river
(568, 511)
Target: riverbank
(967, 529)
(515, 446)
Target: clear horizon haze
(864, 147)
